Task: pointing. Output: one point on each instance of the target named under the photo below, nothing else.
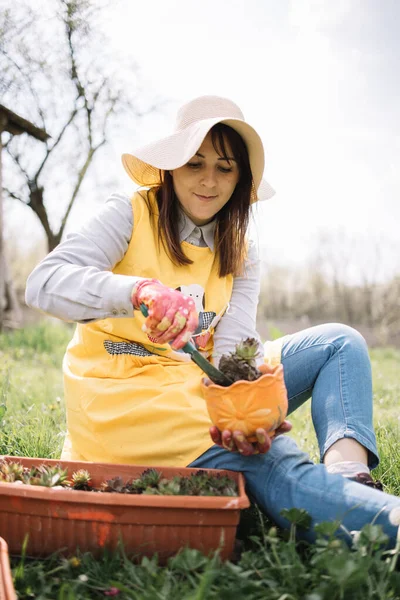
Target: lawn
(271, 566)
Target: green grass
(272, 565)
(31, 389)
(273, 569)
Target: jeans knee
(346, 336)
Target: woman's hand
(172, 315)
(235, 441)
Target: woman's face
(205, 184)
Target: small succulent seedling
(241, 364)
(202, 483)
(113, 485)
(168, 487)
(49, 476)
(10, 472)
(149, 480)
(81, 480)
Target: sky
(318, 79)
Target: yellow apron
(131, 401)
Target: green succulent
(113, 485)
(81, 480)
(51, 476)
(248, 350)
(149, 479)
(202, 483)
(11, 471)
(241, 364)
(170, 487)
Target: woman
(179, 247)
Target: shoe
(366, 479)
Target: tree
(56, 70)
(13, 124)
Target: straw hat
(194, 121)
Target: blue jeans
(331, 363)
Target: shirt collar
(186, 226)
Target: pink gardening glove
(235, 441)
(172, 315)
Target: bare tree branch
(24, 75)
(81, 177)
(11, 194)
(16, 160)
(57, 141)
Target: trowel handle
(214, 374)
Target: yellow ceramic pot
(247, 405)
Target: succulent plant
(49, 476)
(202, 483)
(241, 364)
(11, 471)
(168, 487)
(29, 475)
(81, 480)
(113, 485)
(149, 479)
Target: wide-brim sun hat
(194, 121)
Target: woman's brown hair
(231, 221)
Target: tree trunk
(10, 311)
(37, 205)
(53, 241)
(12, 314)
(2, 260)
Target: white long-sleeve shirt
(75, 281)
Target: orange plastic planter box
(7, 591)
(68, 519)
